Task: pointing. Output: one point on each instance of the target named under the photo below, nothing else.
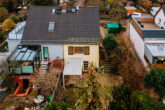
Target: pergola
(73, 66)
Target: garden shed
(113, 28)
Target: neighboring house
(148, 36)
(67, 33)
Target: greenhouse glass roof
(23, 53)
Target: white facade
(160, 19)
(55, 51)
(138, 43)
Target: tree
(92, 95)
(8, 25)
(11, 5)
(64, 106)
(1, 36)
(42, 2)
(3, 14)
(156, 79)
(109, 43)
(14, 18)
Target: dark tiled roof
(154, 33)
(79, 27)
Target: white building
(148, 36)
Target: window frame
(84, 64)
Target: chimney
(63, 9)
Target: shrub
(109, 43)
(64, 106)
(125, 99)
(8, 25)
(52, 106)
(14, 18)
(121, 98)
(156, 79)
(1, 36)
(141, 101)
(3, 14)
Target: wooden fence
(58, 86)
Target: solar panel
(51, 26)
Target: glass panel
(46, 54)
(25, 57)
(27, 69)
(31, 57)
(17, 71)
(20, 56)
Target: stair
(106, 65)
(40, 76)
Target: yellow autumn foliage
(8, 25)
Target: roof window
(53, 11)
(51, 26)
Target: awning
(73, 66)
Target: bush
(3, 14)
(156, 79)
(52, 106)
(121, 98)
(1, 36)
(109, 43)
(124, 99)
(64, 106)
(8, 25)
(141, 101)
(14, 18)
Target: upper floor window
(78, 50)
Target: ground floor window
(85, 65)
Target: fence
(58, 86)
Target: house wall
(93, 57)
(54, 51)
(148, 54)
(138, 44)
(161, 16)
(12, 44)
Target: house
(50, 32)
(148, 36)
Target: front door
(46, 53)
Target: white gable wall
(161, 16)
(12, 44)
(54, 51)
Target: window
(78, 50)
(85, 65)
(51, 26)
(159, 21)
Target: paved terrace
(150, 26)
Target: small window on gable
(51, 26)
(159, 21)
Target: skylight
(51, 26)
(53, 11)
